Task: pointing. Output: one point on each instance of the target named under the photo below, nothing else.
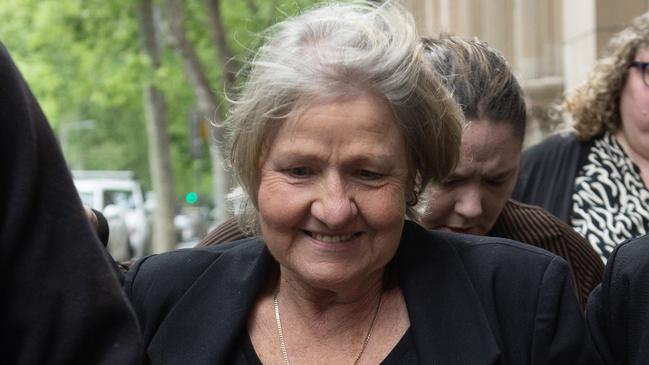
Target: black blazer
(471, 300)
(618, 309)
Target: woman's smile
(334, 242)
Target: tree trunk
(224, 53)
(207, 102)
(164, 236)
(175, 33)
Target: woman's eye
(300, 171)
(497, 182)
(369, 175)
(450, 182)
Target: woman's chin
(329, 276)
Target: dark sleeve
(228, 231)
(618, 309)
(61, 301)
(154, 284)
(547, 174)
(560, 335)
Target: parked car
(191, 225)
(118, 194)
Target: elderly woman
(596, 177)
(339, 128)
(475, 197)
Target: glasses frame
(643, 70)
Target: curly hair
(595, 105)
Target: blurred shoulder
(631, 257)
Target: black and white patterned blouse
(610, 202)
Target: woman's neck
(327, 310)
(319, 326)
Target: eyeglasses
(643, 66)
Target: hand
(92, 217)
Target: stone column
(587, 28)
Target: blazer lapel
(208, 319)
(447, 319)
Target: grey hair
(340, 50)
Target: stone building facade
(551, 44)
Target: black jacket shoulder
(504, 295)
(156, 283)
(548, 172)
(618, 309)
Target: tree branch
(223, 52)
(176, 34)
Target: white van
(118, 195)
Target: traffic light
(191, 197)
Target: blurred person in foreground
(338, 129)
(618, 309)
(61, 300)
(475, 197)
(595, 177)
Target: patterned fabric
(533, 225)
(610, 201)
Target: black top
(470, 300)
(548, 171)
(404, 353)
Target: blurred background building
(551, 44)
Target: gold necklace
(280, 332)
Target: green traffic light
(191, 197)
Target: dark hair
(480, 80)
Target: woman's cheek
(386, 207)
(281, 203)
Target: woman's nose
(469, 203)
(334, 207)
